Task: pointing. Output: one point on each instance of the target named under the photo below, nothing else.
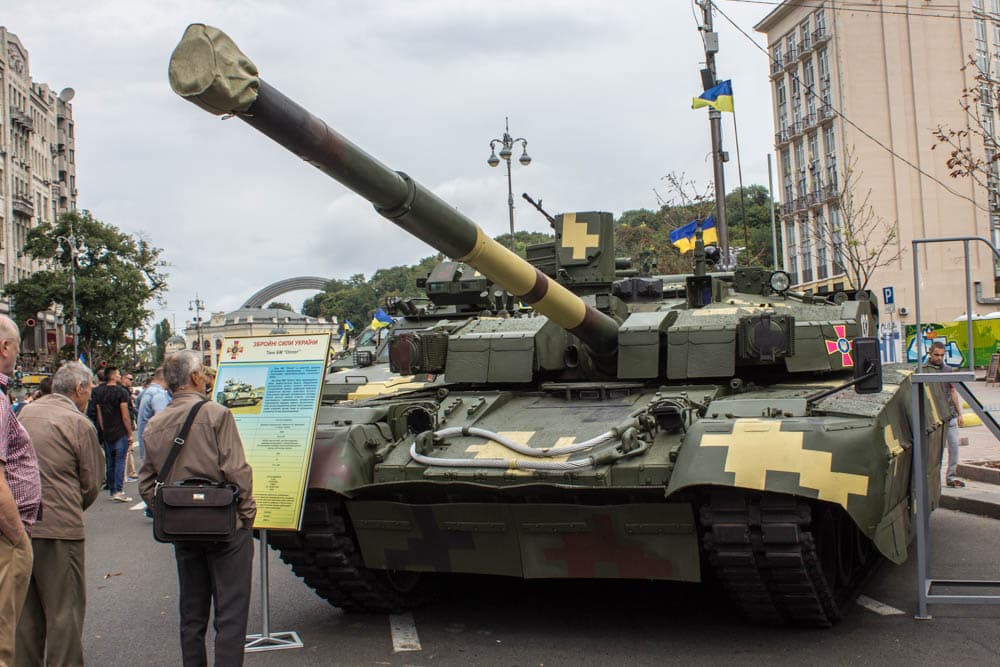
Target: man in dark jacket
(205, 570)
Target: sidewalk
(977, 497)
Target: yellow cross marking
(493, 450)
(757, 446)
(575, 236)
(895, 448)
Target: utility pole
(719, 156)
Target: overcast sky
(601, 90)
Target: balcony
(811, 118)
(805, 46)
(18, 117)
(819, 36)
(22, 205)
(57, 190)
(777, 67)
(788, 207)
(830, 191)
(815, 197)
(796, 128)
(793, 55)
(824, 113)
(781, 137)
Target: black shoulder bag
(194, 509)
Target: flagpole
(739, 173)
(711, 41)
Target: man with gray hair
(206, 571)
(72, 466)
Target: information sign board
(888, 295)
(272, 385)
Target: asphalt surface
(132, 614)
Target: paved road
(132, 615)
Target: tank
(708, 427)
(236, 393)
(453, 291)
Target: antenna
(66, 94)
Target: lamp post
(197, 305)
(506, 144)
(71, 242)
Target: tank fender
(832, 461)
(344, 457)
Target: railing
(962, 591)
(819, 36)
(824, 113)
(805, 46)
(830, 191)
(793, 55)
(777, 67)
(781, 137)
(811, 118)
(796, 128)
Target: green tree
(753, 201)
(161, 334)
(117, 276)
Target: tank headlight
(780, 281)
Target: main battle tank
(684, 429)
(237, 393)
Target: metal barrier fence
(964, 591)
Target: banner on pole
(272, 385)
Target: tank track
(325, 555)
(764, 553)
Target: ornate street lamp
(506, 144)
(197, 305)
(71, 242)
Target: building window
(805, 37)
(837, 240)
(806, 249)
(821, 242)
(790, 248)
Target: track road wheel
(326, 555)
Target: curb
(971, 501)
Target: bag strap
(178, 443)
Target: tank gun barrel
(208, 69)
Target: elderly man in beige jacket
(206, 571)
(72, 467)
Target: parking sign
(888, 296)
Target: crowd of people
(77, 434)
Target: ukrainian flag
(684, 237)
(381, 319)
(719, 97)
(346, 328)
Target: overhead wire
(838, 112)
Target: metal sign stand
(965, 591)
(267, 640)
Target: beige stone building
(872, 80)
(250, 322)
(37, 175)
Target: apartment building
(37, 173)
(866, 83)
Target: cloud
(600, 90)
